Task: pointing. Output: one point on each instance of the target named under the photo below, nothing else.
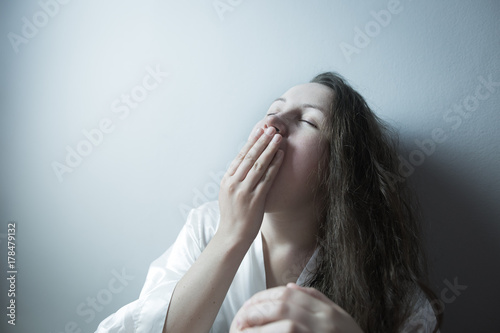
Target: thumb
(310, 291)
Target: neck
(292, 231)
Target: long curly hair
(372, 262)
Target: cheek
(303, 158)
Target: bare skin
(292, 309)
(267, 188)
(242, 199)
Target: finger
(241, 155)
(267, 179)
(291, 295)
(260, 154)
(254, 153)
(269, 294)
(279, 326)
(316, 294)
(270, 311)
(311, 291)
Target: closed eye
(302, 120)
(310, 123)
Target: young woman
(313, 232)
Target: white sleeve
(423, 318)
(147, 314)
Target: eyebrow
(281, 99)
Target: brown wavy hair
(372, 262)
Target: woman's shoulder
(194, 236)
(422, 317)
(210, 205)
(207, 213)
(203, 221)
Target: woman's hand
(246, 183)
(292, 309)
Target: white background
(124, 204)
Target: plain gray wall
(66, 68)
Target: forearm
(198, 296)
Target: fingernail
(277, 138)
(269, 130)
(258, 132)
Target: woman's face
(298, 115)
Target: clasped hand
(292, 309)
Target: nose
(276, 122)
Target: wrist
(232, 241)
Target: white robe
(147, 314)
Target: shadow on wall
(461, 220)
